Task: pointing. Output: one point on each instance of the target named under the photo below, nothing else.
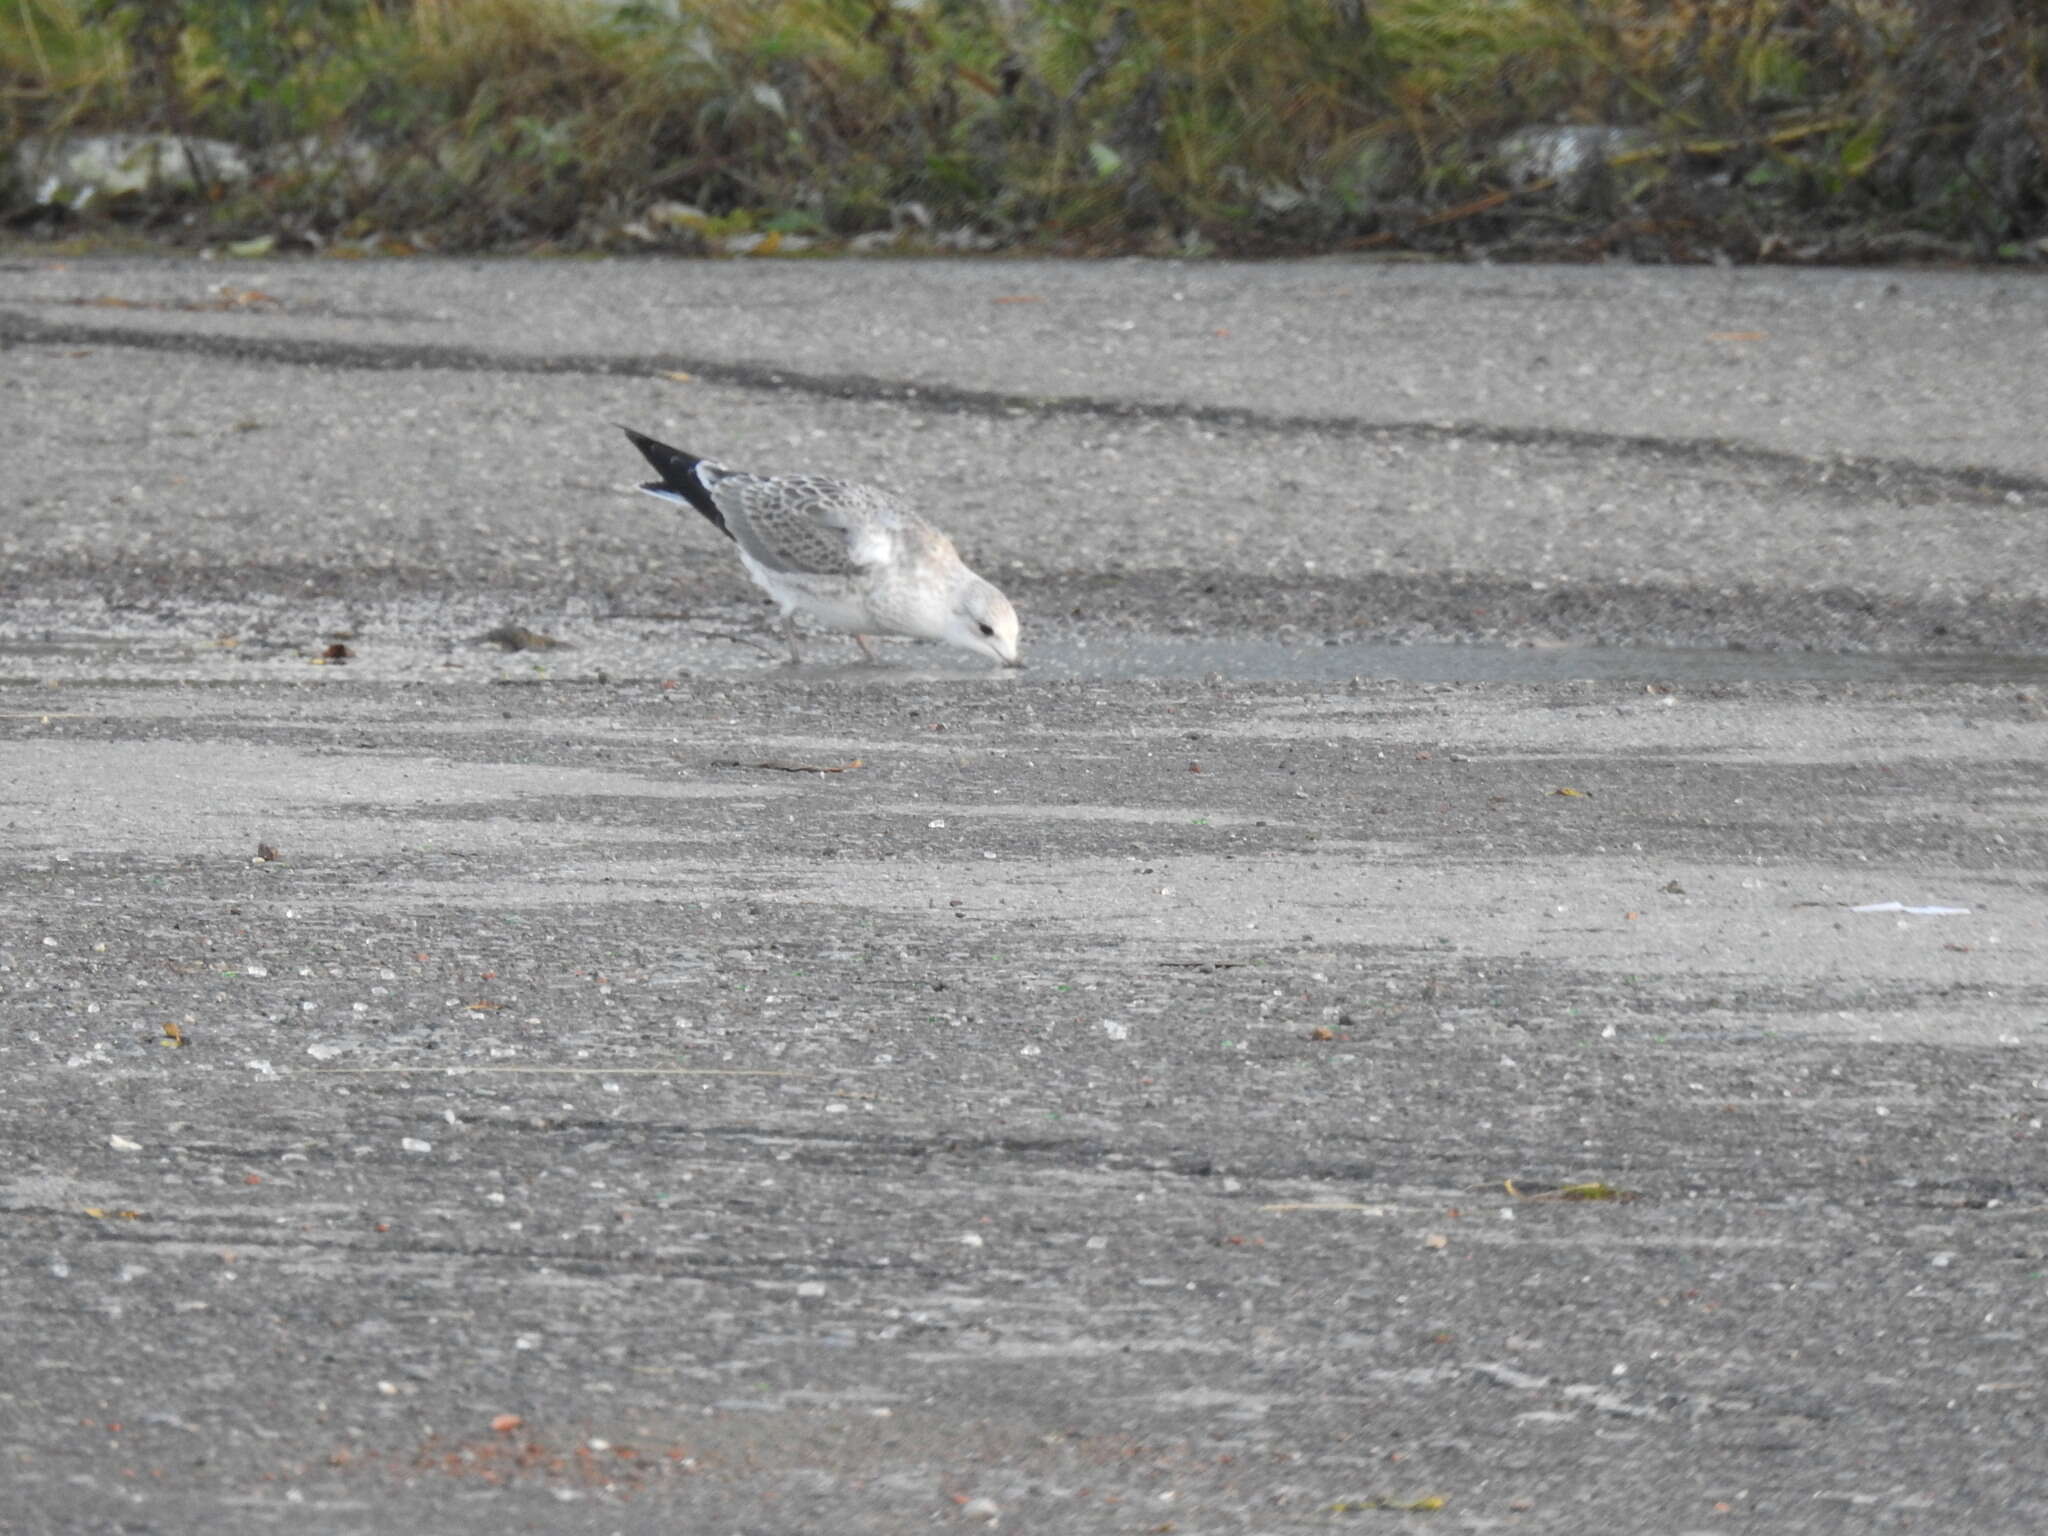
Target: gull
(846, 557)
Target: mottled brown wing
(802, 524)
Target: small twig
(1452, 215)
(733, 762)
(737, 638)
(1482, 204)
(1492, 200)
(1782, 136)
(1590, 1190)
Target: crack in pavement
(1849, 476)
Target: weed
(1675, 129)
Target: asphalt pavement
(1491, 976)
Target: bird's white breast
(830, 602)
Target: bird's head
(982, 620)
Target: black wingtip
(672, 462)
(676, 470)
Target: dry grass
(1077, 124)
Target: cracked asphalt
(1375, 1027)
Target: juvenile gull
(845, 557)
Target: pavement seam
(1849, 476)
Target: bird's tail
(679, 482)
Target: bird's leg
(866, 649)
(796, 657)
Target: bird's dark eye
(985, 629)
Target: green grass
(1084, 125)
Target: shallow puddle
(607, 651)
(1254, 660)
